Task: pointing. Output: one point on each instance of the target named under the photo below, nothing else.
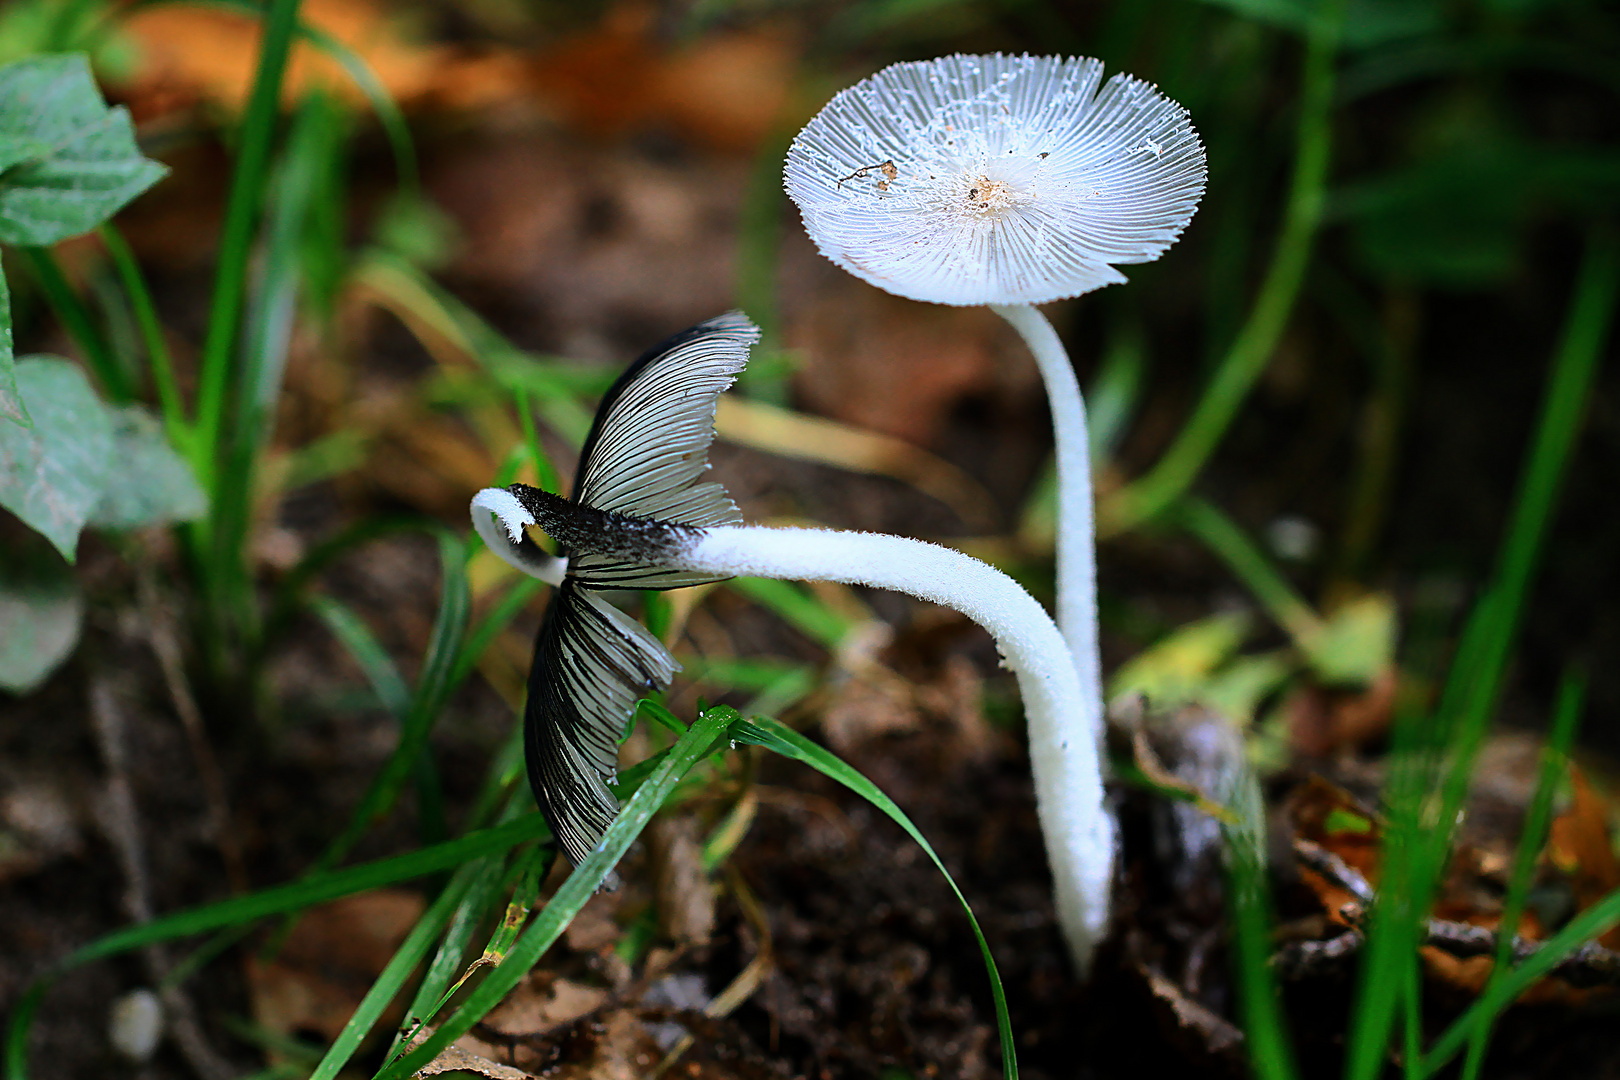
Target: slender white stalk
(1062, 713)
(1076, 543)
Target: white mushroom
(1008, 181)
(643, 516)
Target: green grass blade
(796, 606)
(1271, 1054)
(1562, 412)
(365, 650)
(170, 403)
(1419, 840)
(267, 337)
(580, 886)
(479, 903)
(248, 181)
(77, 321)
(427, 699)
(318, 888)
(784, 740)
(1588, 925)
(1222, 536)
(544, 471)
(1251, 351)
(394, 976)
(1554, 764)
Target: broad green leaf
(52, 476)
(1358, 642)
(67, 161)
(11, 403)
(148, 482)
(1178, 668)
(41, 612)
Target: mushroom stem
(1076, 542)
(1062, 712)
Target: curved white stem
(1076, 542)
(1063, 714)
(508, 539)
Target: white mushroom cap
(996, 179)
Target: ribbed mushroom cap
(996, 179)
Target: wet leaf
(149, 483)
(53, 476)
(67, 161)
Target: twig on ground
(1589, 965)
(119, 819)
(165, 644)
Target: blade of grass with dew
(581, 885)
(170, 403)
(1585, 927)
(796, 606)
(775, 736)
(316, 889)
(1248, 355)
(76, 319)
(442, 981)
(1554, 765)
(391, 981)
(248, 180)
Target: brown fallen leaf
(893, 366)
(1326, 814)
(329, 961)
(1322, 720)
(1579, 845)
(684, 894)
(453, 1059)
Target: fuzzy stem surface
(1076, 542)
(1063, 716)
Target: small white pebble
(135, 1026)
(1293, 538)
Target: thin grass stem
(78, 322)
(1251, 351)
(248, 182)
(1554, 764)
(170, 402)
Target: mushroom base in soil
(642, 516)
